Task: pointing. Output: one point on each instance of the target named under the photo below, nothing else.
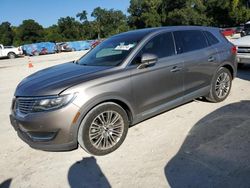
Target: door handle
(176, 69)
(211, 59)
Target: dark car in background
(126, 79)
(239, 30)
(246, 29)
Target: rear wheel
(220, 86)
(103, 129)
(11, 55)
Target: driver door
(158, 87)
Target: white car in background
(243, 49)
(10, 51)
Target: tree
(145, 13)
(108, 22)
(226, 13)
(180, 12)
(82, 16)
(186, 16)
(30, 32)
(52, 34)
(100, 15)
(6, 34)
(69, 28)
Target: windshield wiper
(75, 61)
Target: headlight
(52, 103)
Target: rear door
(155, 86)
(199, 60)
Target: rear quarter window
(189, 40)
(212, 40)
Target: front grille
(242, 49)
(25, 105)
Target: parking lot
(199, 144)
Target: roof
(146, 31)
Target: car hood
(244, 41)
(53, 80)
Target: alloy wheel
(106, 130)
(222, 85)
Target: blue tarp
(51, 47)
(79, 45)
(31, 48)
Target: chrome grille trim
(25, 105)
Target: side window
(0, 47)
(189, 40)
(162, 45)
(211, 38)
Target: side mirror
(147, 60)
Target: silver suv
(126, 79)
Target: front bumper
(50, 131)
(243, 58)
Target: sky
(47, 12)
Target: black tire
(213, 95)
(84, 138)
(240, 65)
(11, 55)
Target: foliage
(190, 13)
(186, 16)
(82, 16)
(69, 28)
(52, 34)
(225, 13)
(29, 32)
(108, 22)
(6, 34)
(142, 14)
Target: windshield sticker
(122, 46)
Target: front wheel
(220, 86)
(103, 129)
(11, 55)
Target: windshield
(111, 52)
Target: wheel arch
(94, 103)
(230, 68)
(11, 52)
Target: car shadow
(87, 173)
(244, 72)
(6, 183)
(216, 151)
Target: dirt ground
(198, 144)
